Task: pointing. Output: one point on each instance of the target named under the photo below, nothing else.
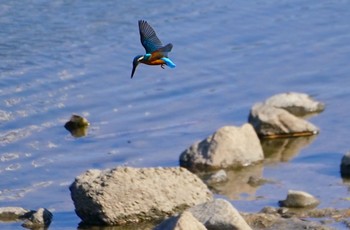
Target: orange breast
(156, 62)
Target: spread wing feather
(148, 37)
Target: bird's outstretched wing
(148, 37)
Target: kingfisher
(156, 53)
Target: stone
(219, 214)
(269, 121)
(39, 219)
(299, 104)
(77, 126)
(345, 165)
(299, 199)
(184, 221)
(12, 213)
(218, 177)
(229, 146)
(274, 221)
(129, 195)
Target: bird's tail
(168, 62)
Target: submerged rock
(269, 221)
(77, 126)
(299, 199)
(219, 214)
(184, 221)
(129, 195)
(218, 177)
(228, 147)
(272, 122)
(345, 165)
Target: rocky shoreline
(182, 197)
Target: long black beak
(134, 65)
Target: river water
(59, 58)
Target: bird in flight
(156, 53)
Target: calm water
(63, 57)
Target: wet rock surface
(77, 125)
(128, 195)
(219, 214)
(299, 199)
(269, 121)
(13, 213)
(345, 165)
(184, 221)
(229, 146)
(40, 219)
(299, 104)
(279, 115)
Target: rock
(298, 104)
(218, 177)
(12, 213)
(130, 195)
(274, 222)
(269, 121)
(77, 126)
(345, 165)
(40, 219)
(184, 221)
(299, 199)
(219, 214)
(228, 147)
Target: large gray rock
(228, 147)
(219, 214)
(270, 121)
(184, 221)
(129, 195)
(298, 104)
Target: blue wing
(148, 37)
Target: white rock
(40, 219)
(229, 146)
(296, 103)
(184, 221)
(219, 214)
(299, 199)
(130, 195)
(12, 213)
(270, 121)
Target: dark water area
(63, 57)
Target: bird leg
(162, 66)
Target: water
(63, 57)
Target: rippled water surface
(59, 58)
